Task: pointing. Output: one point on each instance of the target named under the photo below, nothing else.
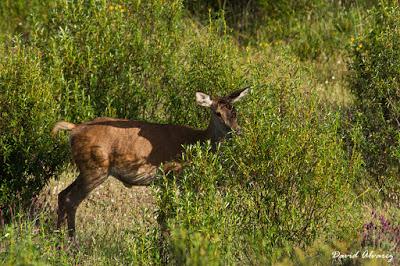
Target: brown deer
(131, 151)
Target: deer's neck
(215, 132)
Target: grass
(115, 225)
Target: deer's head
(223, 113)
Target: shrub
(284, 182)
(113, 57)
(375, 84)
(28, 156)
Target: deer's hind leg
(74, 194)
(62, 214)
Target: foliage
(28, 156)
(32, 240)
(285, 182)
(375, 84)
(20, 243)
(117, 227)
(296, 24)
(16, 15)
(382, 232)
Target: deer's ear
(203, 99)
(237, 95)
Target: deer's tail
(62, 125)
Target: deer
(132, 151)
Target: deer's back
(126, 144)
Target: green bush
(113, 57)
(284, 183)
(136, 60)
(375, 82)
(28, 156)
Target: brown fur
(131, 151)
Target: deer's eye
(218, 114)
